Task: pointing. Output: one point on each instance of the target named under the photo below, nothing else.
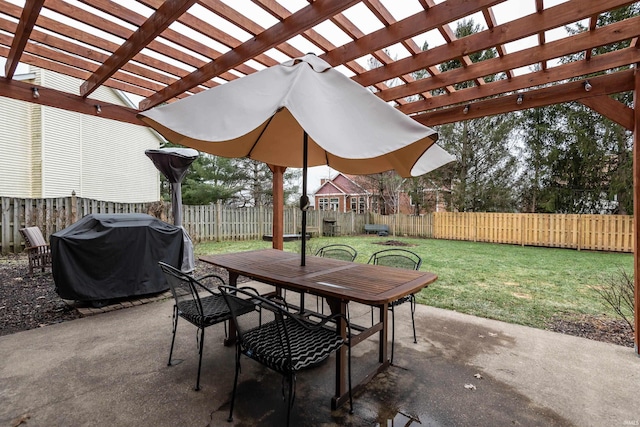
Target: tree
(483, 176)
(211, 179)
(257, 183)
(589, 165)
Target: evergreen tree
(483, 176)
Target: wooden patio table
(339, 282)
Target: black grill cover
(107, 256)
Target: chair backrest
(400, 258)
(186, 289)
(263, 325)
(33, 236)
(338, 251)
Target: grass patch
(515, 284)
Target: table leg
(231, 339)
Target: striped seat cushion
(308, 347)
(214, 309)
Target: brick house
(342, 194)
(346, 193)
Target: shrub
(618, 293)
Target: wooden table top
(327, 277)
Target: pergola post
(636, 207)
(277, 233)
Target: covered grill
(108, 256)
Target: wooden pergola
(164, 50)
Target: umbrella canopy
(263, 116)
(297, 114)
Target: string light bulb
(587, 86)
(520, 99)
(466, 109)
(98, 109)
(35, 92)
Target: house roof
(165, 50)
(340, 184)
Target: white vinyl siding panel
(115, 167)
(61, 153)
(15, 145)
(98, 158)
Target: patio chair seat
(214, 310)
(307, 349)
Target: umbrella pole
(304, 200)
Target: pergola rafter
(164, 50)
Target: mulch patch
(393, 243)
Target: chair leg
(201, 346)
(412, 301)
(292, 396)
(235, 384)
(175, 327)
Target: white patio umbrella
(268, 115)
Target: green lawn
(523, 285)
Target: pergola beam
(621, 81)
(636, 208)
(613, 110)
(28, 18)
(610, 34)
(421, 22)
(279, 33)
(165, 15)
(557, 16)
(54, 98)
(560, 73)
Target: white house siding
(116, 149)
(95, 157)
(15, 148)
(61, 153)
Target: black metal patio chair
(399, 258)
(338, 251)
(335, 251)
(280, 339)
(198, 304)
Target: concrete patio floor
(111, 369)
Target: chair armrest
(211, 289)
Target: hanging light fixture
(587, 86)
(520, 99)
(466, 109)
(35, 92)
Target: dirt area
(29, 302)
(32, 302)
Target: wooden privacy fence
(55, 214)
(588, 232)
(215, 222)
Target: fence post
(74, 208)
(218, 211)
